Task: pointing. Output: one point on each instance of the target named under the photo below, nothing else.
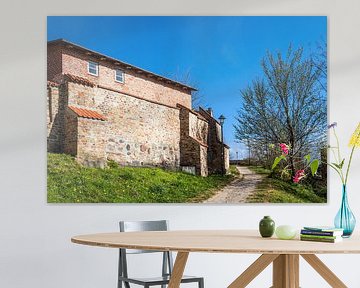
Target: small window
(93, 68)
(119, 76)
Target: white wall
(35, 248)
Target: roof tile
(87, 113)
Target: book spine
(318, 239)
(318, 236)
(320, 233)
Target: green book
(325, 240)
(319, 236)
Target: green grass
(234, 171)
(272, 190)
(260, 170)
(68, 182)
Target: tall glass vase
(345, 219)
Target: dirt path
(239, 189)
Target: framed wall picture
(205, 109)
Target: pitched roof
(87, 113)
(192, 111)
(122, 64)
(79, 80)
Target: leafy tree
(286, 105)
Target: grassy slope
(68, 182)
(272, 190)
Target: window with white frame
(119, 76)
(93, 68)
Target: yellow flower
(355, 138)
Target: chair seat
(158, 280)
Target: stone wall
(198, 128)
(74, 61)
(56, 107)
(92, 139)
(138, 133)
(215, 161)
(193, 150)
(227, 158)
(149, 121)
(70, 133)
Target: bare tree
(287, 105)
(319, 59)
(184, 77)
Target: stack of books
(321, 234)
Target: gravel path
(239, 189)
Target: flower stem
(339, 155)
(351, 156)
(348, 167)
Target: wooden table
(284, 254)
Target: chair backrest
(134, 226)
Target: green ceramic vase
(267, 227)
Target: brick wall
(74, 61)
(54, 61)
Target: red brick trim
(87, 113)
(78, 80)
(137, 97)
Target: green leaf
(277, 161)
(342, 163)
(307, 158)
(339, 166)
(314, 166)
(336, 165)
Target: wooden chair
(167, 262)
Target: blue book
(322, 231)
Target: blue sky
(222, 54)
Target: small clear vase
(345, 219)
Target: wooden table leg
(324, 271)
(253, 270)
(286, 271)
(178, 270)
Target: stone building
(100, 109)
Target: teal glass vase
(345, 219)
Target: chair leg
(201, 283)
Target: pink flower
(299, 175)
(284, 148)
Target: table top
(217, 241)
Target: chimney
(210, 111)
